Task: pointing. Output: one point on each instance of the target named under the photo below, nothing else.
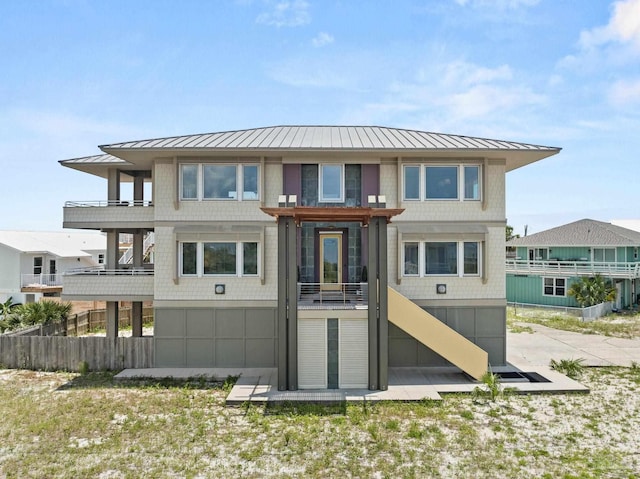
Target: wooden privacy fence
(53, 353)
(82, 323)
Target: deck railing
(40, 280)
(102, 204)
(573, 268)
(333, 294)
(97, 271)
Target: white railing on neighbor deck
(149, 241)
(573, 268)
(39, 280)
(102, 204)
(352, 295)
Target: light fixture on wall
(441, 288)
(219, 289)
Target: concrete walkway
(526, 350)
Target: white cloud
(322, 39)
(625, 92)
(286, 13)
(623, 27)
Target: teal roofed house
(547, 263)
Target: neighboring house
(32, 262)
(547, 263)
(330, 253)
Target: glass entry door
(330, 260)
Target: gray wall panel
(215, 337)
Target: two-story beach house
(547, 263)
(32, 262)
(328, 252)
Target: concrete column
(113, 185)
(112, 319)
(138, 189)
(292, 299)
(136, 319)
(282, 305)
(113, 243)
(138, 246)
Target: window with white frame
(331, 183)
(554, 286)
(209, 181)
(441, 182)
(441, 258)
(604, 255)
(219, 258)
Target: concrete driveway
(538, 348)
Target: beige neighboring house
(32, 262)
(328, 252)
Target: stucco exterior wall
(9, 272)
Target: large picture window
(219, 258)
(210, 181)
(441, 182)
(441, 258)
(331, 185)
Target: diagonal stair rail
(436, 335)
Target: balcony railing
(573, 268)
(98, 271)
(333, 295)
(102, 204)
(40, 280)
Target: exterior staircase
(436, 335)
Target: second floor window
(331, 183)
(210, 181)
(441, 182)
(219, 258)
(442, 258)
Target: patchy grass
(68, 425)
(619, 325)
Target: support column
(113, 186)
(378, 308)
(372, 266)
(138, 189)
(287, 305)
(136, 319)
(112, 319)
(113, 249)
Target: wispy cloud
(498, 4)
(322, 39)
(286, 13)
(623, 27)
(625, 92)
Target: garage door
(312, 353)
(354, 353)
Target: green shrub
(572, 368)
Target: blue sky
(76, 74)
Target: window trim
(239, 266)
(555, 287)
(459, 259)
(321, 197)
(240, 174)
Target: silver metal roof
(326, 138)
(95, 159)
(584, 232)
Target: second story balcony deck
(130, 284)
(108, 214)
(621, 270)
(333, 295)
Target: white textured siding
(354, 353)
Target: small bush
(572, 368)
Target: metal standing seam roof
(584, 232)
(95, 159)
(326, 137)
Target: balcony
(108, 214)
(134, 284)
(573, 268)
(31, 283)
(333, 295)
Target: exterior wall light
(441, 288)
(219, 289)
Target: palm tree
(590, 291)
